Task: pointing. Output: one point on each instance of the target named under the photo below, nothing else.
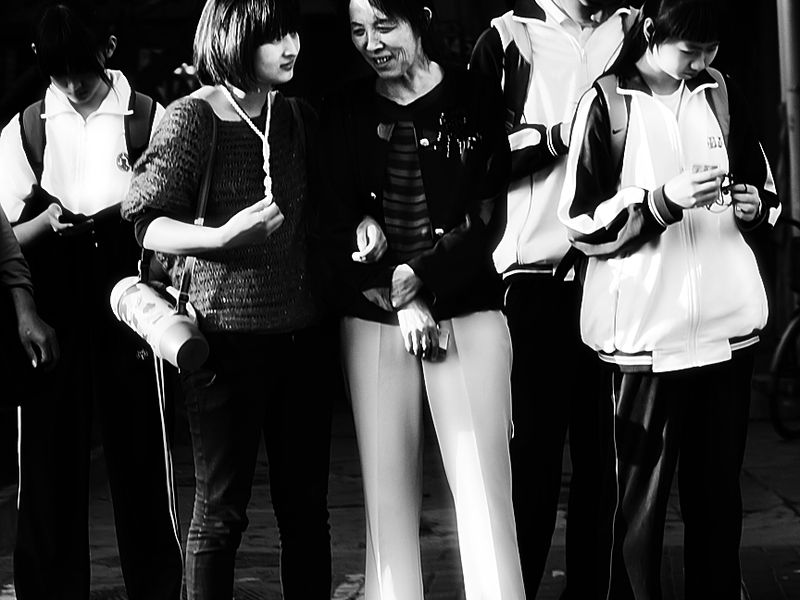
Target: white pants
(470, 401)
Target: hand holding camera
(693, 189)
(746, 201)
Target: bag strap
(297, 113)
(33, 135)
(717, 98)
(138, 124)
(517, 70)
(618, 108)
(202, 203)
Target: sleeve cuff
(555, 144)
(664, 211)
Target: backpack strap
(139, 124)
(618, 107)
(718, 100)
(517, 49)
(32, 132)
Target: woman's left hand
(746, 202)
(420, 332)
(405, 285)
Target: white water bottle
(173, 337)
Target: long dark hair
(230, 32)
(70, 38)
(699, 21)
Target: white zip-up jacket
(665, 288)
(544, 62)
(85, 162)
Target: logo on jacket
(715, 141)
(123, 163)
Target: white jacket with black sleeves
(665, 288)
(544, 62)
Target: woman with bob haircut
(65, 173)
(253, 291)
(672, 297)
(415, 159)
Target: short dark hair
(70, 38)
(413, 12)
(229, 33)
(699, 21)
(691, 20)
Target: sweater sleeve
(166, 178)
(13, 268)
(603, 219)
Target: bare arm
(251, 225)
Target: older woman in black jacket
(415, 160)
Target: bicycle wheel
(784, 390)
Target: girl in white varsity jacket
(672, 293)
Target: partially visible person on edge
(65, 172)
(414, 159)
(253, 288)
(38, 340)
(673, 296)
(544, 55)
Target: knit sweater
(259, 288)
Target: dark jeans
(558, 384)
(253, 385)
(102, 375)
(695, 419)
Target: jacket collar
(528, 9)
(631, 80)
(532, 10)
(115, 103)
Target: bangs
(271, 20)
(697, 21)
(65, 46)
(230, 32)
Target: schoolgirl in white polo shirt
(67, 220)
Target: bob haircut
(413, 13)
(699, 21)
(70, 39)
(230, 32)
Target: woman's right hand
(419, 330)
(371, 241)
(252, 225)
(690, 190)
(53, 214)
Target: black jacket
(464, 185)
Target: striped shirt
(405, 208)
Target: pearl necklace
(262, 135)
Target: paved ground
(770, 547)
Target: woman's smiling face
(389, 45)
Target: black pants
(254, 385)
(695, 419)
(103, 375)
(558, 384)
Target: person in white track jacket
(544, 55)
(672, 294)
